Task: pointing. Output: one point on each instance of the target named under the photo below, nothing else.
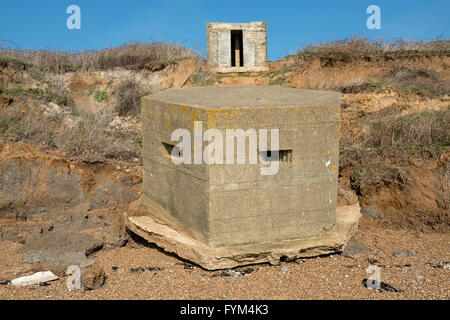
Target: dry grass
(84, 135)
(427, 129)
(361, 49)
(202, 75)
(40, 94)
(390, 142)
(128, 98)
(90, 138)
(357, 47)
(130, 55)
(424, 82)
(421, 81)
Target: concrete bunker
(225, 215)
(237, 47)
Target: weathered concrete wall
(229, 205)
(180, 189)
(254, 46)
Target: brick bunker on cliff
(221, 215)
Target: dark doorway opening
(237, 48)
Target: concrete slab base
(172, 241)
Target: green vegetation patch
(101, 96)
(37, 92)
(14, 63)
(9, 128)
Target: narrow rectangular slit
(283, 156)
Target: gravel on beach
(139, 271)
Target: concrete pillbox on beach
(229, 205)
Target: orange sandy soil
(330, 277)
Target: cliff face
(61, 210)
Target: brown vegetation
(85, 135)
(424, 82)
(362, 48)
(132, 55)
(128, 98)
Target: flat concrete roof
(247, 96)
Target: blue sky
(291, 24)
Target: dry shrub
(129, 55)
(88, 137)
(360, 87)
(140, 55)
(427, 130)
(405, 75)
(60, 97)
(356, 47)
(422, 81)
(202, 76)
(349, 50)
(347, 46)
(414, 131)
(6, 61)
(92, 140)
(383, 154)
(400, 45)
(30, 127)
(128, 98)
